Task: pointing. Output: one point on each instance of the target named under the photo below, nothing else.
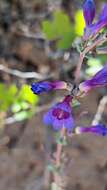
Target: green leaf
(61, 140)
(103, 58)
(16, 107)
(26, 94)
(79, 23)
(24, 105)
(7, 96)
(17, 100)
(59, 28)
(75, 103)
(20, 116)
(94, 66)
(13, 90)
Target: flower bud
(98, 80)
(89, 11)
(46, 86)
(99, 129)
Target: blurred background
(41, 40)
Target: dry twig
(24, 75)
(100, 111)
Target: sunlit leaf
(20, 116)
(26, 94)
(94, 66)
(24, 105)
(13, 90)
(59, 28)
(16, 107)
(79, 23)
(7, 96)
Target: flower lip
(41, 87)
(60, 115)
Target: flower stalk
(96, 43)
(60, 146)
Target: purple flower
(46, 86)
(60, 115)
(99, 129)
(99, 79)
(89, 11)
(93, 29)
(102, 22)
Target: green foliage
(18, 106)
(103, 58)
(75, 103)
(7, 95)
(22, 115)
(27, 95)
(79, 23)
(62, 30)
(60, 140)
(21, 102)
(94, 65)
(59, 28)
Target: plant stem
(56, 175)
(59, 148)
(77, 73)
(89, 48)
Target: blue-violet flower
(60, 115)
(102, 22)
(89, 11)
(99, 79)
(93, 29)
(46, 86)
(99, 129)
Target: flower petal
(48, 118)
(89, 11)
(60, 115)
(93, 29)
(58, 124)
(46, 86)
(103, 14)
(99, 129)
(69, 124)
(99, 79)
(41, 87)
